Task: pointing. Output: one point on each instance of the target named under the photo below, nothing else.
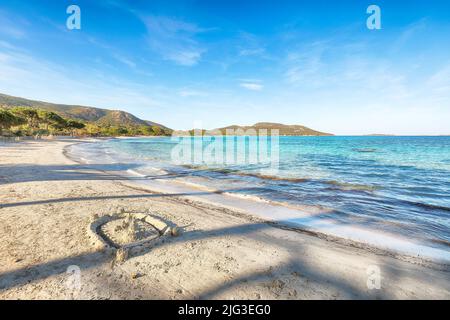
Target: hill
(98, 116)
(284, 130)
(105, 117)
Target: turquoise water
(397, 184)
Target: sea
(393, 190)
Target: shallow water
(400, 185)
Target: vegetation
(52, 119)
(98, 122)
(8, 120)
(29, 121)
(19, 116)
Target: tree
(72, 125)
(8, 120)
(156, 130)
(51, 119)
(31, 115)
(93, 129)
(146, 130)
(122, 131)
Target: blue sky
(215, 63)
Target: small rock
(277, 284)
(135, 275)
(296, 274)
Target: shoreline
(284, 215)
(220, 253)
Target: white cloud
(252, 52)
(252, 86)
(117, 55)
(7, 45)
(130, 63)
(186, 57)
(174, 40)
(187, 93)
(440, 80)
(23, 75)
(334, 67)
(11, 26)
(305, 65)
(408, 34)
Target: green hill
(102, 117)
(284, 130)
(105, 118)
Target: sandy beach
(48, 201)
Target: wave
(236, 172)
(133, 172)
(344, 186)
(428, 205)
(310, 209)
(441, 242)
(143, 172)
(240, 193)
(351, 186)
(368, 150)
(271, 177)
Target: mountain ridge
(108, 117)
(99, 116)
(284, 129)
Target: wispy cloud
(174, 40)
(333, 66)
(187, 93)
(439, 83)
(408, 34)
(305, 64)
(252, 52)
(126, 61)
(7, 45)
(254, 85)
(117, 55)
(250, 45)
(12, 26)
(23, 75)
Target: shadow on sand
(297, 262)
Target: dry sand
(47, 203)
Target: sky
(215, 63)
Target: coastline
(307, 218)
(221, 253)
